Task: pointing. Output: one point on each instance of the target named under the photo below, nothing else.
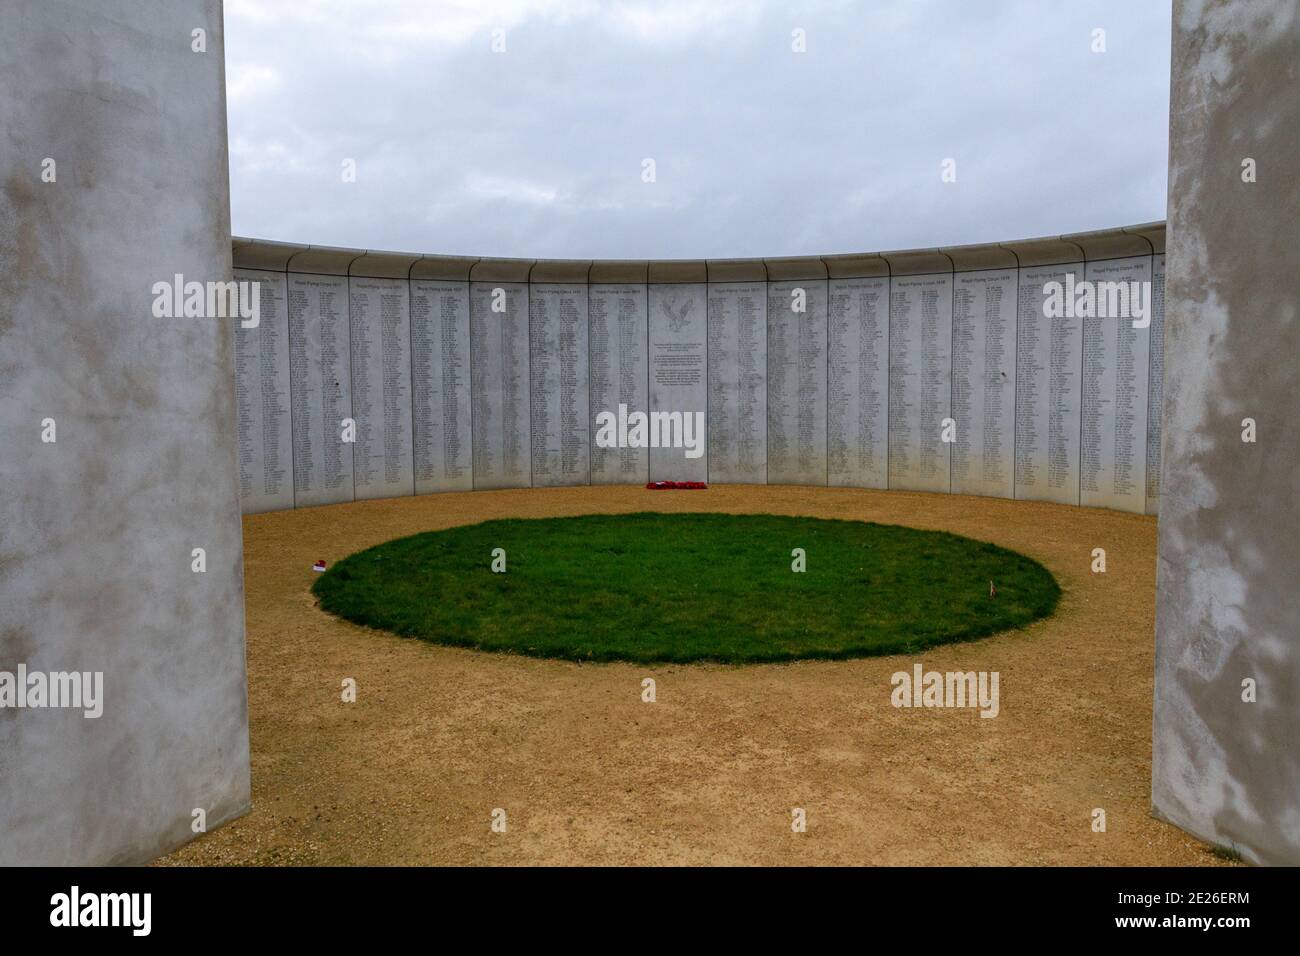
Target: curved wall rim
(373, 373)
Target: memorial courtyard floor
(709, 773)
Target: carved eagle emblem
(680, 318)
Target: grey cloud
(759, 151)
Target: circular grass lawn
(688, 587)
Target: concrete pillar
(117, 435)
(1227, 769)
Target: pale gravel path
(589, 774)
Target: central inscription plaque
(678, 363)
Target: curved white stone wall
(464, 373)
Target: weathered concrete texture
(1229, 548)
(1155, 378)
(97, 528)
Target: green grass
(689, 587)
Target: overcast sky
(539, 151)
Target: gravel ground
(587, 773)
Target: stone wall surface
(931, 370)
(119, 431)
(737, 374)
(1226, 767)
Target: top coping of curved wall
(1138, 240)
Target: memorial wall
(558, 355)
(738, 372)
(1116, 357)
(1049, 363)
(382, 459)
(263, 377)
(991, 369)
(920, 372)
(857, 366)
(440, 374)
(985, 307)
(499, 375)
(797, 353)
(618, 343)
